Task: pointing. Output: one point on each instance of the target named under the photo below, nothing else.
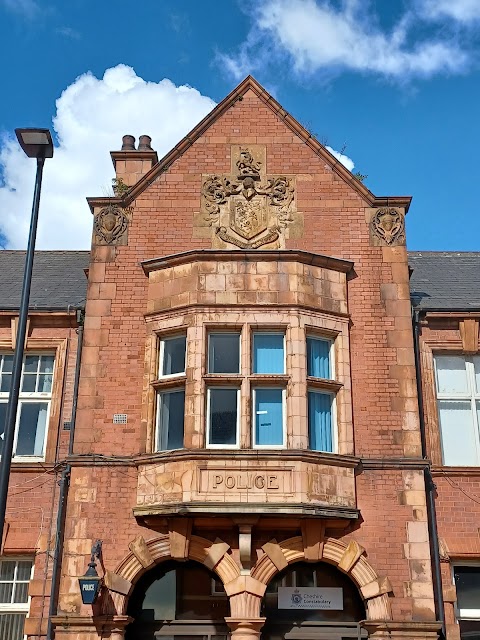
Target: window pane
(44, 383)
(3, 417)
(11, 626)
(21, 592)
(467, 580)
(31, 429)
(223, 416)
(318, 358)
(458, 437)
(451, 374)
(268, 416)
(171, 419)
(469, 629)
(28, 383)
(173, 355)
(46, 364)
(24, 570)
(31, 364)
(320, 421)
(7, 364)
(6, 590)
(224, 353)
(7, 569)
(161, 598)
(268, 353)
(476, 364)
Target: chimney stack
(130, 163)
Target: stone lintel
(139, 548)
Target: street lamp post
(37, 143)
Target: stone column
(245, 628)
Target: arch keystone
(313, 536)
(139, 548)
(275, 553)
(378, 587)
(215, 553)
(350, 556)
(179, 532)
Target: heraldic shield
(248, 218)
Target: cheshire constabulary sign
(330, 598)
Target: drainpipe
(430, 487)
(64, 485)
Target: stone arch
(348, 558)
(144, 555)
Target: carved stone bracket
(387, 227)
(111, 224)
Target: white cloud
(318, 36)
(27, 8)
(91, 118)
(341, 157)
(463, 11)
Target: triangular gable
(251, 84)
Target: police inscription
(272, 481)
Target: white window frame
(216, 333)
(164, 339)
(284, 416)
(334, 419)
(237, 432)
(30, 397)
(331, 354)
(20, 608)
(472, 396)
(465, 614)
(272, 333)
(160, 393)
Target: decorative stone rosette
(110, 225)
(387, 226)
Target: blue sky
(393, 84)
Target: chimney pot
(128, 143)
(144, 143)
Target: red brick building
(246, 435)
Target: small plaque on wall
(330, 598)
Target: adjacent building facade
(236, 414)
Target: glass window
(318, 358)
(268, 353)
(458, 401)
(268, 416)
(320, 421)
(224, 353)
(172, 356)
(14, 578)
(223, 417)
(171, 410)
(33, 404)
(467, 582)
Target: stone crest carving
(248, 209)
(388, 226)
(110, 225)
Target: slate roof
(445, 280)
(58, 279)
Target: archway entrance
(307, 601)
(181, 600)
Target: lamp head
(36, 143)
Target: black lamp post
(90, 583)
(37, 143)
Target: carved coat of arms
(248, 210)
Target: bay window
(457, 381)
(33, 403)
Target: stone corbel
(245, 543)
(469, 335)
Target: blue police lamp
(91, 582)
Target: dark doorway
(336, 623)
(181, 600)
